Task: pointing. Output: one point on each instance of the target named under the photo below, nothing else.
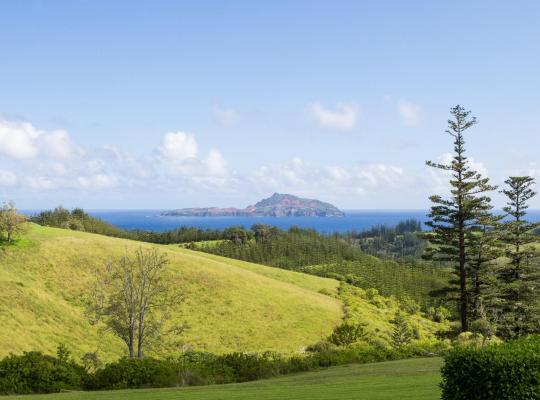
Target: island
(277, 205)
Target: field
(407, 379)
(229, 306)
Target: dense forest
(401, 242)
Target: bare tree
(11, 222)
(133, 298)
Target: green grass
(416, 379)
(230, 305)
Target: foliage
(346, 334)
(333, 257)
(453, 219)
(34, 372)
(12, 223)
(518, 310)
(77, 219)
(290, 249)
(133, 373)
(412, 379)
(401, 242)
(133, 297)
(402, 333)
(507, 371)
(407, 282)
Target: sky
(168, 104)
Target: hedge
(509, 371)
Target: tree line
(495, 258)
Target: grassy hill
(407, 379)
(230, 305)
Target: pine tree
(485, 249)
(453, 219)
(402, 333)
(520, 275)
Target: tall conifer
(453, 219)
(520, 275)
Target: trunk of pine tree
(463, 306)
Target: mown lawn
(406, 379)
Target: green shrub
(346, 334)
(134, 373)
(509, 371)
(323, 345)
(34, 372)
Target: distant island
(277, 205)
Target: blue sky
(170, 104)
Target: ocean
(353, 220)
(358, 220)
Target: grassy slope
(230, 305)
(407, 379)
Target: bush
(34, 372)
(346, 334)
(38, 373)
(319, 347)
(506, 371)
(134, 373)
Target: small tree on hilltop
(453, 219)
(11, 222)
(133, 298)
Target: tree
(520, 275)
(11, 222)
(347, 333)
(401, 334)
(452, 219)
(133, 298)
(485, 248)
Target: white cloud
(226, 116)
(56, 144)
(216, 164)
(411, 114)
(97, 181)
(300, 177)
(178, 146)
(41, 183)
(7, 178)
(21, 140)
(344, 117)
(18, 139)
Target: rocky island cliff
(277, 205)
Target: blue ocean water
(353, 220)
(358, 220)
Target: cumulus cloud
(178, 155)
(411, 114)
(226, 116)
(343, 117)
(299, 176)
(7, 178)
(178, 146)
(97, 181)
(21, 140)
